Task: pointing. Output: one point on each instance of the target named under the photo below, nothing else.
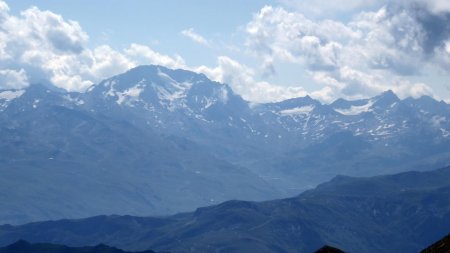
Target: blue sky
(121, 22)
(265, 50)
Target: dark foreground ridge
(441, 246)
(397, 213)
(329, 249)
(22, 246)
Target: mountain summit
(157, 141)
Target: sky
(265, 50)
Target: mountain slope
(397, 213)
(25, 247)
(57, 159)
(155, 141)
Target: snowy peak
(9, 95)
(155, 87)
(304, 105)
(296, 102)
(170, 89)
(158, 74)
(6, 96)
(307, 109)
(351, 108)
(345, 104)
(167, 98)
(385, 100)
(291, 107)
(36, 96)
(158, 101)
(301, 106)
(427, 104)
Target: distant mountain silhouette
(26, 247)
(21, 246)
(329, 249)
(396, 213)
(441, 246)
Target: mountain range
(26, 247)
(404, 212)
(157, 141)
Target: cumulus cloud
(374, 51)
(290, 36)
(354, 84)
(42, 41)
(327, 8)
(191, 34)
(77, 72)
(153, 57)
(37, 30)
(438, 6)
(13, 79)
(4, 9)
(241, 78)
(391, 40)
(47, 46)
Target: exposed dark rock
(329, 249)
(441, 246)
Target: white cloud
(4, 9)
(241, 79)
(78, 72)
(438, 6)
(153, 57)
(42, 40)
(290, 36)
(348, 7)
(191, 34)
(354, 84)
(53, 48)
(375, 51)
(390, 41)
(13, 79)
(443, 56)
(107, 61)
(37, 30)
(327, 8)
(405, 88)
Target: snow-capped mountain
(7, 96)
(155, 141)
